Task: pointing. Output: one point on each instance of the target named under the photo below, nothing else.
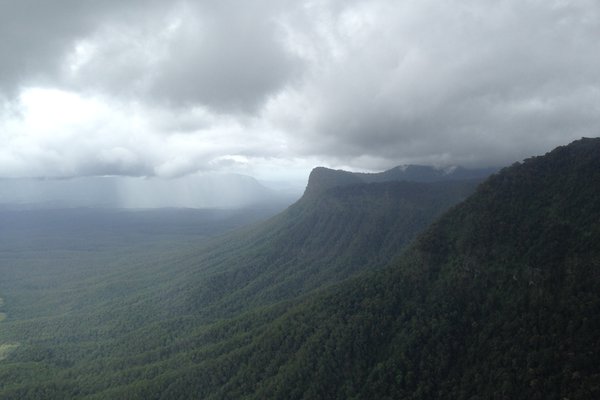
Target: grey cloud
(190, 86)
(36, 35)
(229, 57)
(33, 34)
(224, 55)
(467, 82)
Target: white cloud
(54, 133)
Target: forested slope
(499, 299)
(161, 323)
(322, 239)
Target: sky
(273, 88)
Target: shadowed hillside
(125, 324)
(321, 240)
(498, 299)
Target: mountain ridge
(498, 298)
(169, 309)
(322, 178)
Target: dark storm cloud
(451, 82)
(220, 54)
(223, 55)
(171, 88)
(33, 33)
(36, 35)
(229, 56)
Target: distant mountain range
(224, 191)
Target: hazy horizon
(202, 191)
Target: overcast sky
(274, 88)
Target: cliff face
(321, 178)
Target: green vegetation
(6, 349)
(497, 299)
(127, 318)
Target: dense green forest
(99, 315)
(498, 298)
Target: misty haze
(224, 191)
(299, 200)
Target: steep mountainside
(137, 326)
(499, 299)
(320, 240)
